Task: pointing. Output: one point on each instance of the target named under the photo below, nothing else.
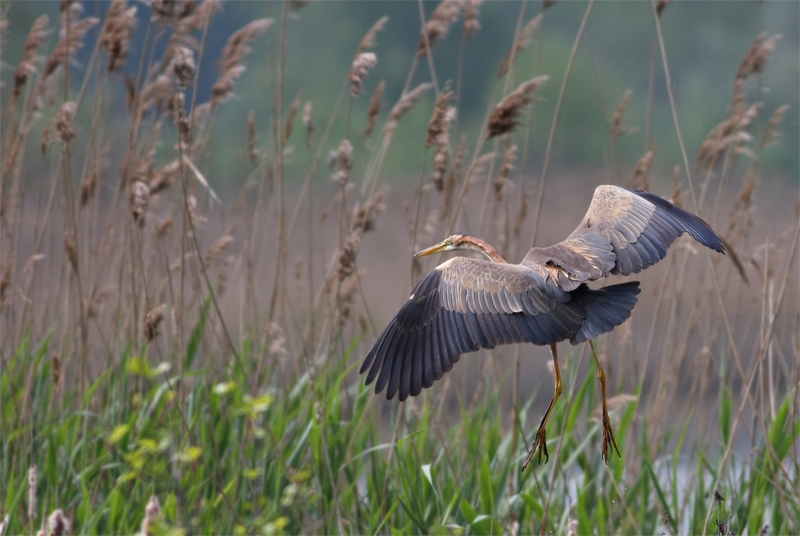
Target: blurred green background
(705, 42)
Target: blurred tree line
(705, 42)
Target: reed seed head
(368, 41)
(30, 56)
(151, 514)
(183, 66)
(406, 102)
(152, 321)
(308, 123)
(439, 24)
(236, 49)
(65, 122)
(359, 69)
(504, 117)
(374, 108)
(117, 30)
(522, 42)
(472, 22)
(140, 199)
(59, 524)
(32, 481)
(771, 132)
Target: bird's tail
(606, 308)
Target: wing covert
(624, 231)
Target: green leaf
(487, 492)
(197, 336)
(726, 409)
(119, 433)
(467, 511)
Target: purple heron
(465, 304)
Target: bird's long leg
(540, 443)
(608, 434)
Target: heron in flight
(465, 304)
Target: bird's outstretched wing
(624, 231)
(465, 304)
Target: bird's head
(459, 241)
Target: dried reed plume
(741, 217)
(347, 257)
(30, 56)
(58, 524)
(757, 56)
(368, 41)
(439, 24)
(365, 217)
(183, 66)
(55, 368)
(165, 11)
(89, 183)
(236, 49)
(472, 23)
(277, 341)
(730, 133)
(359, 69)
(71, 247)
(572, 524)
(44, 141)
(452, 177)
(151, 514)
(140, 199)
(439, 134)
(522, 42)
(344, 157)
(65, 122)
(70, 41)
(374, 108)
(406, 102)
(548, 3)
(162, 177)
(504, 117)
(438, 122)
(188, 19)
(770, 132)
(287, 130)
(308, 123)
(152, 320)
(252, 150)
(215, 251)
(363, 222)
(27, 270)
(617, 128)
(522, 213)
(503, 181)
(117, 30)
(32, 493)
(641, 174)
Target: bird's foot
(608, 439)
(540, 445)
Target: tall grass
(172, 363)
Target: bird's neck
(486, 249)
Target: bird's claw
(540, 445)
(608, 439)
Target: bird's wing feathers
(461, 306)
(624, 231)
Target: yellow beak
(438, 248)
